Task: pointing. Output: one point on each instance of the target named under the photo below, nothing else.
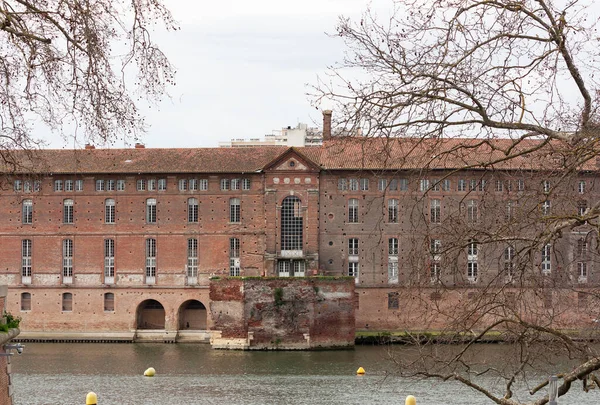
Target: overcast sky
(242, 68)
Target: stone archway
(150, 314)
(192, 316)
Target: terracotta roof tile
(338, 154)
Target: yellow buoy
(150, 372)
(410, 400)
(360, 371)
(91, 398)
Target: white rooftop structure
(301, 135)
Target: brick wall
(275, 313)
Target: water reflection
(194, 374)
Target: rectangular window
(582, 272)
(27, 214)
(472, 257)
(436, 211)
(353, 268)
(67, 302)
(509, 213)
(353, 185)
(435, 248)
(547, 259)
(109, 261)
(423, 185)
(353, 211)
(234, 257)
(151, 184)
(393, 211)
(461, 185)
(481, 185)
(403, 184)
(141, 185)
(508, 184)
(25, 301)
(582, 247)
(26, 261)
(509, 262)
(99, 185)
(183, 184)
(520, 185)
(192, 259)
(192, 210)
(446, 185)
(392, 246)
(546, 208)
(342, 185)
(120, 185)
(27, 186)
(245, 184)
(382, 184)
(17, 185)
(393, 185)
(151, 211)
(364, 184)
(235, 184)
(472, 214)
(110, 185)
(109, 211)
(353, 247)
(393, 300)
(150, 261)
(37, 186)
(234, 210)
(435, 185)
(472, 185)
(435, 272)
(392, 269)
(581, 187)
(203, 184)
(58, 185)
(162, 184)
(67, 272)
(224, 184)
(68, 212)
(582, 207)
(499, 185)
(193, 184)
(109, 302)
(546, 186)
(68, 185)
(78, 185)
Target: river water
(63, 373)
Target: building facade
(117, 244)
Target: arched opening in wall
(192, 315)
(150, 314)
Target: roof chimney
(89, 146)
(326, 125)
(139, 145)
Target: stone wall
(283, 314)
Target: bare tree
(85, 63)
(499, 93)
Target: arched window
(109, 211)
(67, 302)
(234, 210)
(151, 210)
(27, 211)
(353, 210)
(291, 224)
(68, 211)
(192, 210)
(392, 210)
(109, 302)
(25, 301)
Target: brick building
(122, 243)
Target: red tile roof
(338, 154)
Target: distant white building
(300, 136)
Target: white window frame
(67, 268)
(192, 261)
(27, 212)
(68, 211)
(151, 211)
(234, 257)
(109, 261)
(26, 261)
(110, 211)
(150, 261)
(192, 210)
(546, 263)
